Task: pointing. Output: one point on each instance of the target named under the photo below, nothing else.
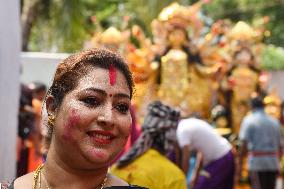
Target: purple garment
(221, 174)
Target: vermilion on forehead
(102, 79)
(112, 75)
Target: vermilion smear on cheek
(97, 153)
(112, 75)
(75, 118)
(72, 121)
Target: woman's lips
(101, 137)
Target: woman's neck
(176, 46)
(58, 174)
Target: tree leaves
(64, 25)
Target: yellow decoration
(111, 36)
(173, 89)
(242, 31)
(273, 104)
(143, 74)
(173, 11)
(185, 85)
(179, 15)
(245, 83)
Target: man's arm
(242, 154)
(185, 159)
(197, 168)
(198, 163)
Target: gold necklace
(37, 176)
(37, 179)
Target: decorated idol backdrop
(202, 67)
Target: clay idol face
(94, 119)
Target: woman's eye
(91, 101)
(122, 108)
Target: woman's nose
(105, 116)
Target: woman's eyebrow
(96, 90)
(121, 95)
(102, 92)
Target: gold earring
(51, 120)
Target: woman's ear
(50, 105)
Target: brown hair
(70, 70)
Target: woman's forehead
(106, 79)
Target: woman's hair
(76, 66)
(70, 70)
(256, 102)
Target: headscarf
(160, 122)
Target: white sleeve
(183, 135)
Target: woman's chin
(101, 156)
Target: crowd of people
(30, 129)
(76, 131)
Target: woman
(88, 123)
(243, 80)
(184, 81)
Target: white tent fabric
(9, 85)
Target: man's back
(263, 136)
(200, 136)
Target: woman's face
(177, 37)
(93, 121)
(244, 57)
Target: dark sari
(11, 186)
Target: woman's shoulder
(115, 181)
(23, 182)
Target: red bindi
(110, 95)
(112, 75)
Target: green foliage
(276, 26)
(249, 11)
(68, 24)
(146, 10)
(272, 58)
(64, 25)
